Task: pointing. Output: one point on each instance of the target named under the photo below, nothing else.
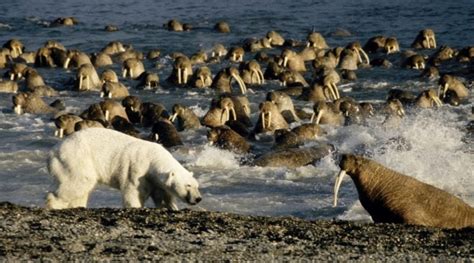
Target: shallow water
(439, 152)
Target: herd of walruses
(308, 70)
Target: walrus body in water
(391, 197)
(294, 157)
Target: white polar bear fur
(138, 168)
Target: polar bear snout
(193, 196)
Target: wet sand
(151, 234)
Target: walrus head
(19, 102)
(349, 164)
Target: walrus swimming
(293, 157)
(225, 138)
(391, 197)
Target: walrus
(8, 86)
(220, 112)
(132, 68)
(65, 124)
(64, 21)
(450, 82)
(251, 73)
(87, 78)
(151, 113)
(133, 108)
(226, 138)
(293, 157)
(186, 118)
(425, 39)
(76, 58)
(202, 78)
(149, 80)
(236, 54)
(391, 197)
(270, 118)
(114, 90)
(112, 108)
(297, 136)
(284, 104)
(276, 39)
(222, 27)
(85, 124)
(16, 71)
(123, 125)
(25, 102)
(164, 132)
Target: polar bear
(138, 168)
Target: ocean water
(440, 152)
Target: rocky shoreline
(150, 234)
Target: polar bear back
(110, 157)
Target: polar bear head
(184, 186)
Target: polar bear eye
(188, 186)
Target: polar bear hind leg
(73, 188)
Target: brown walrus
(294, 157)
(65, 124)
(391, 197)
(225, 138)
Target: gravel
(37, 234)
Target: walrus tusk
(401, 112)
(18, 110)
(173, 117)
(80, 82)
(180, 77)
(365, 56)
(241, 83)
(269, 119)
(124, 72)
(234, 57)
(253, 72)
(434, 42)
(336, 90)
(262, 78)
(66, 63)
(234, 116)
(246, 110)
(201, 77)
(445, 89)
(12, 76)
(102, 94)
(308, 44)
(285, 61)
(337, 184)
(185, 75)
(437, 101)
(107, 115)
(225, 115)
(88, 83)
(109, 95)
(262, 116)
(332, 92)
(59, 133)
(359, 58)
(318, 118)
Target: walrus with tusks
(391, 197)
